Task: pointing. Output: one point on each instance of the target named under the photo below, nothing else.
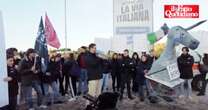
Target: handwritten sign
(173, 71)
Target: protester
(83, 86)
(114, 72)
(126, 76)
(185, 62)
(136, 60)
(106, 72)
(50, 79)
(29, 79)
(142, 68)
(12, 80)
(93, 64)
(203, 68)
(120, 70)
(74, 71)
(64, 78)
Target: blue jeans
(186, 88)
(105, 82)
(27, 91)
(83, 86)
(55, 92)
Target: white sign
(132, 17)
(173, 71)
(3, 67)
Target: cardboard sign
(173, 71)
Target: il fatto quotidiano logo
(181, 11)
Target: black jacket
(114, 67)
(13, 84)
(185, 63)
(27, 76)
(93, 66)
(140, 75)
(106, 66)
(54, 68)
(128, 68)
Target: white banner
(3, 66)
(132, 17)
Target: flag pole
(65, 19)
(66, 44)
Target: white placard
(3, 67)
(173, 71)
(132, 17)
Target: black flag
(41, 46)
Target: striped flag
(156, 36)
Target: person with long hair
(136, 60)
(114, 71)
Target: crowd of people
(87, 74)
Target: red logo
(181, 11)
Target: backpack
(75, 70)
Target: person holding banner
(12, 80)
(29, 70)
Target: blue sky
(86, 19)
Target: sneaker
(181, 96)
(43, 106)
(190, 98)
(31, 109)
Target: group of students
(89, 74)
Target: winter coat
(93, 66)
(54, 70)
(140, 75)
(128, 68)
(81, 60)
(114, 67)
(185, 63)
(27, 76)
(106, 66)
(13, 84)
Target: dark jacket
(67, 66)
(128, 68)
(151, 60)
(106, 66)
(140, 75)
(54, 68)
(114, 67)
(81, 60)
(27, 76)
(120, 69)
(185, 63)
(93, 64)
(13, 84)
